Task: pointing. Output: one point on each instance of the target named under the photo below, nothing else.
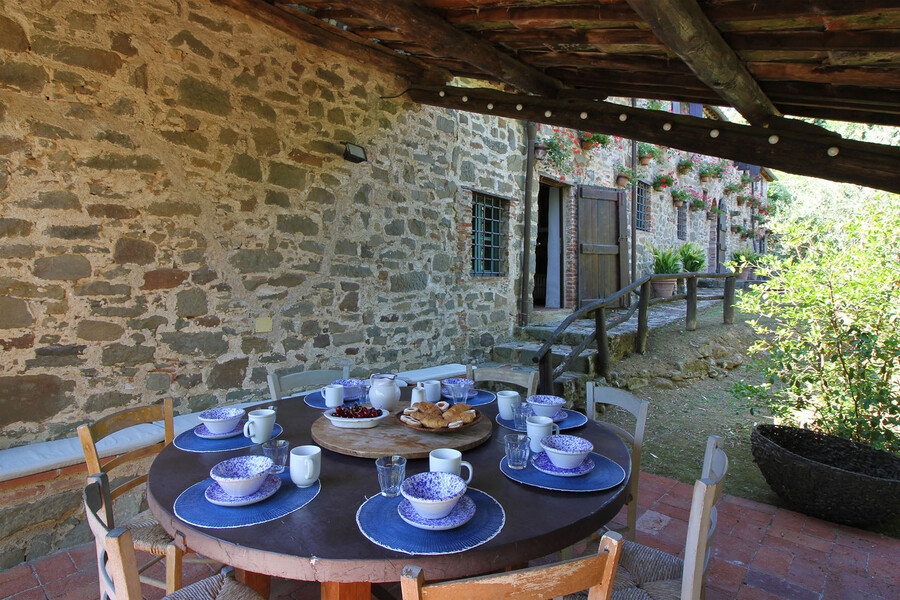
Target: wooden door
(602, 243)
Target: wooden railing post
(545, 368)
(602, 341)
(691, 320)
(640, 340)
(728, 302)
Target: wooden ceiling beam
(835, 75)
(815, 41)
(573, 38)
(314, 31)
(684, 28)
(741, 10)
(443, 39)
(544, 17)
(814, 151)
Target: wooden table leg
(257, 581)
(360, 590)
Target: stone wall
(176, 218)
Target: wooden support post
(728, 302)
(545, 368)
(257, 581)
(691, 321)
(602, 341)
(640, 340)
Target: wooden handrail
(601, 328)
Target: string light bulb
(518, 107)
(667, 126)
(833, 151)
(583, 115)
(623, 117)
(465, 98)
(547, 113)
(442, 93)
(713, 133)
(490, 106)
(773, 139)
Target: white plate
(461, 514)
(216, 495)
(202, 432)
(354, 423)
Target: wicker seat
(302, 381)
(527, 380)
(117, 564)
(649, 574)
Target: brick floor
(760, 552)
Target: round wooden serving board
(391, 437)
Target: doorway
(549, 255)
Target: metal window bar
(642, 212)
(489, 237)
(682, 222)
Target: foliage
(645, 149)
(711, 168)
(664, 261)
(626, 171)
(654, 105)
(733, 188)
(746, 258)
(663, 180)
(747, 178)
(597, 138)
(559, 151)
(692, 257)
(832, 347)
(689, 194)
(684, 165)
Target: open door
(548, 267)
(602, 243)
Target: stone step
(522, 352)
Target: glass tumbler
(521, 412)
(391, 471)
(517, 449)
(277, 450)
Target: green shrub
(692, 257)
(831, 341)
(664, 261)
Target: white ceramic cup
(334, 395)
(259, 425)
(539, 428)
(447, 460)
(432, 390)
(506, 400)
(306, 465)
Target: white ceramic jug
(384, 392)
(418, 394)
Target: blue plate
(317, 400)
(572, 420)
(476, 397)
(542, 463)
(461, 514)
(606, 474)
(217, 495)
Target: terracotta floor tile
(744, 514)
(36, 593)
(849, 560)
(17, 579)
(749, 504)
(84, 556)
(725, 576)
(808, 574)
(866, 540)
(800, 539)
(784, 519)
(772, 560)
(751, 593)
(778, 586)
(717, 594)
(675, 501)
(733, 549)
(823, 529)
(884, 568)
(78, 586)
(749, 531)
(847, 585)
(53, 567)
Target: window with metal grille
(682, 222)
(489, 235)
(642, 210)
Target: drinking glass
(458, 392)
(391, 470)
(277, 450)
(517, 449)
(521, 412)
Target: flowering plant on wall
(684, 165)
(624, 175)
(562, 151)
(733, 188)
(711, 168)
(663, 180)
(691, 195)
(648, 151)
(588, 140)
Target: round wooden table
(321, 541)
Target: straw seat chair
(597, 394)
(527, 380)
(649, 574)
(301, 381)
(117, 564)
(147, 534)
(592, 573)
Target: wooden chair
(117, 563)
(301, 381)
(662, 576)
(527, 380)
(594, 573)
(148, 535)
(635, 440)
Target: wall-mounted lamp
(354, 153)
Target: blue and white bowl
(352, 387)
(566, 451)
(243, 475)
(221, 420)
(545, 406)
(433, 494)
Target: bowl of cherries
(355, 417)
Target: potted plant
(559, 151)
(684, 166)
(732, 188)
(665, 262)
(710, 169)
(663, 180)
(624, 175)
(693, 260)
(590, 140)
(714, 212)
(679, 196)
(743, 261)
(647, 152)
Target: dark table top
(321, 541)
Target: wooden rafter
(812, 151)
(686, 31)
(443, 39)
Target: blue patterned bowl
(433, 494)
(243, 475)
(566, 451)
(545, 406)
(352, 387)
(221, 420)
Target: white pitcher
(384, 392)
(418, 394)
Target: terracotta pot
(743, 275)
(645, 160)
(622, 180)
(663, 288)
(588, 146)
(704, 178)
(678, 203)
(540, 151)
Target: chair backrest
(703, 519)
(91, 434)
(594, 573)
(116, 559)
(527, 380)
(301, 381)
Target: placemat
(378, 520)
(573, 419)
(606, 474)
(191, 443)
(193, 508)
(481, 397)
(317, 400)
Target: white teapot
(384, 392)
